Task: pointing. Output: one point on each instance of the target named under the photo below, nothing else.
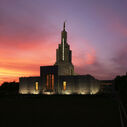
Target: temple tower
(64, 56)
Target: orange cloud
(24, 59)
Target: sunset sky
(30, 31)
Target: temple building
(59, 78)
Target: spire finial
(64, 25)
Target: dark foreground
(41, 111)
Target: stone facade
(79, 84)
(27, 85)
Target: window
(36, 85)
(64, 85)
(52, 81)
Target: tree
(9, 88)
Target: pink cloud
(84, 56)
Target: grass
(58, 110)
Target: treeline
(9, 88)
(121, 84)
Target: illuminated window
(52, 81)
(36, 85)
(64, 85)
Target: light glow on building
(23, 92)
(94, 91)
(48, 93)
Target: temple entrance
(50, 82)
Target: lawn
(58, 110)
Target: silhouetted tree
(9, 88)
(121, 84)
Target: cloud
(25, 40)
(120, 59)
(84, 54)
(26, 61)
(96, 69)
(87, 61)
(21, 22)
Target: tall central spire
(64, 34)
(64, 55)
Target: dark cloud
(98, 69)
(120, 60)
(102, 70)
(22, 23)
